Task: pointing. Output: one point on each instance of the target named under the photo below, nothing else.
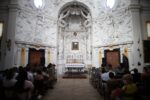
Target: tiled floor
(72, 89)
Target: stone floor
(72, 89)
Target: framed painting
(75, 45)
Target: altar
(74, 67)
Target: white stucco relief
(107, 26)
(38, 28)
(102, 19)
(113, 26)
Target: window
(1, 30)
(148, 29)
(110, 3)
(1, 33)
(39, 3)
(146, 51)
(75, 45)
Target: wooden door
(36, 57)
(113, 57)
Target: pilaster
(137, 34)
(11, 30)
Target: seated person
(23, 87)
(9, 83)
(129, 88)
(136, 76)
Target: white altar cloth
(74, 65)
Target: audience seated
(39, 83)
(29, 74)
(105, 76)
(23, 81)
(136, 76)
(127, 85)
(26, 83)
(144, 89)
(8, 84)
(113, 86)
(1, 85)
(23, 86)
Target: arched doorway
(74, 35)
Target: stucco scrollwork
(74, 17)
(87, 22)
(61, 21)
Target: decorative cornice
(134, 6)
(3, 8)
(13, 6)
(111, 45)
(146, 8)
(34, 44)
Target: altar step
(74, 75)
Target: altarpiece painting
(75, 45)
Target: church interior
(74, 49)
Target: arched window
(1, 34)
(1, 29)
(39, 3)
(148, 28)
(110, 3)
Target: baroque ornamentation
(75, 18)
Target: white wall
(122, 24)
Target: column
(137, 35)
(22, 62)
(89, 47)
(26, 56)
(47, 56)
(11, 30)
(130, 58)
(17, 60)
(121, 53)
(100, 57)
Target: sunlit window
(110, 3)
(148, 29)
(39, 3)
(1, 33)
(1, 29)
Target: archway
(74, 35)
